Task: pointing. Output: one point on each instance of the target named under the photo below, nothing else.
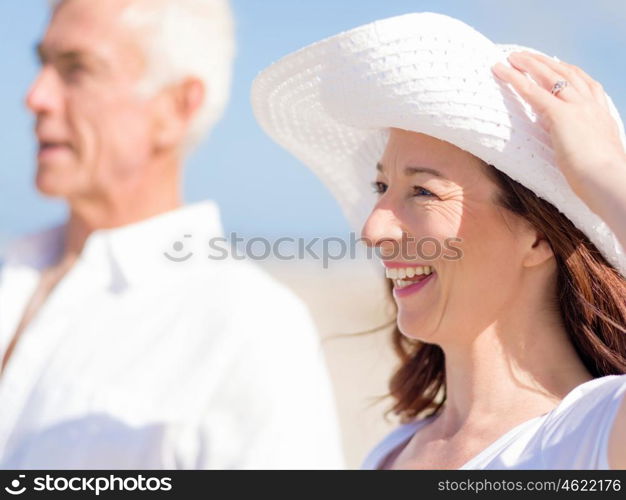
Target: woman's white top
(574, 435)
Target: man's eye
(74, 68)
(72, 71)
(379, 187)
(420, 191)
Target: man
(122, 345)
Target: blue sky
(261, 189)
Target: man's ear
(175, 107)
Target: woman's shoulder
(593, 403)
(397, 437)
(576, 433)
(589, 397)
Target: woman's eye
(420, 191)
(379, 187)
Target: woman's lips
(414, 288)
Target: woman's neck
(509, 374)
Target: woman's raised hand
(585, 137)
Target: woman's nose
(381, 226)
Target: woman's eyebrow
(408, 171)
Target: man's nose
(44, 94)
(382, 228)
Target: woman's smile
(408, 280)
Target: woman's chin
(414, 328)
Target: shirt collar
(155, 248)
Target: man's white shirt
(148, 354)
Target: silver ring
(558, 86)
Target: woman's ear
(538, 251)
(175, 108)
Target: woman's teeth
(398, 274)
(395, 273)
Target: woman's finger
(596, 89)
(546, 76)
(564, 70)
(538, 97)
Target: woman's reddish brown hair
(591, 299)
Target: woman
(513, 345)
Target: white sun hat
(331, 105)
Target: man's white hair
(181, 39)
